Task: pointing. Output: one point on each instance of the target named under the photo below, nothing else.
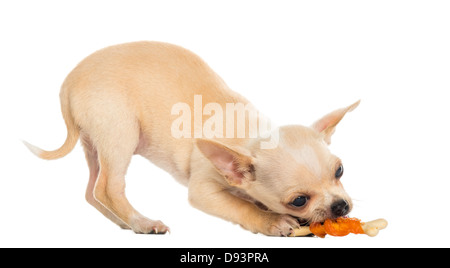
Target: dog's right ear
(234, 165)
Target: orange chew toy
(341, 227)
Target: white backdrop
(295, 60)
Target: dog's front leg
(213, 198)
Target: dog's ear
(235, 165)
(327, 124)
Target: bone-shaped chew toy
(342, 227)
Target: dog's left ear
(236, 166)
(327, 124)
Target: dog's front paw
(281, 225)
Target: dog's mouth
(318, 215)
(308, 222)
(303, 222)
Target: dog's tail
(73, 133)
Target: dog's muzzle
(340, 208)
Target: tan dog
(122, 100)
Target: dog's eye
(339, 172)
(300, 201)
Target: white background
(295, 60)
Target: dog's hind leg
(114, 153)
(94, 168)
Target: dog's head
(299, 177)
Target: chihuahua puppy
(127, 99)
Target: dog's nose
(340, 208)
